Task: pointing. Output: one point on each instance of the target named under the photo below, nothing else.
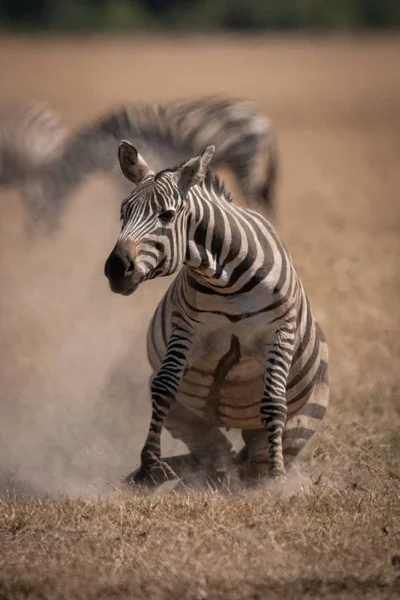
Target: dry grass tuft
(204, 546)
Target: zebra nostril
(130, 268)
(119, 264)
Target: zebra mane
(211, 181)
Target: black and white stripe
(233, 343)
(163, 132)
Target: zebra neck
(84, 154)
(220, 256)
(88, 152)
(61, 178)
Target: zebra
(245, 138)
(233, 342)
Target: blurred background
(74, 407)
(201, 15)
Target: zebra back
(51, 165)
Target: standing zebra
(164, 132)
(233, 343)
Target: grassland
(73, 392)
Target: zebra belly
(227, 393)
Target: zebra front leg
(273, 409)
(164, 388)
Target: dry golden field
(73, 374)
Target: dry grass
(203, 547)
(73, 394)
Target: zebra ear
(194, 170)
(133, 166)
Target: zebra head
(153, 238)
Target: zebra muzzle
(121, 271)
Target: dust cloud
(74, 404)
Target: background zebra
(233, 343)
(49, 166)
(32, 135)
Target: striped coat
(233, 343)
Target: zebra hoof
(144, 478)
(277, 478)
(277, 474)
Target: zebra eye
(167, 216)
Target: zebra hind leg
(252, 460)
(206, 443)
(301, 427)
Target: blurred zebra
(233, 343)
(164, 132)
(32, 135)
